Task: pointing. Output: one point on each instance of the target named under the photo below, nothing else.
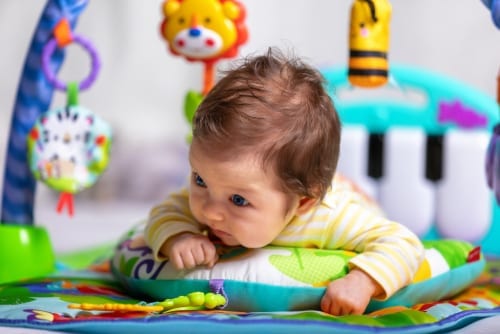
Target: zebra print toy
(68, 148)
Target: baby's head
(275, 107)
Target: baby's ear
(305, 204)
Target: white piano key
(463, 199)
(353, 160)
(405, 194)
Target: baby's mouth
(220, 234)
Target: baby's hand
(350, 294)
(188, 250)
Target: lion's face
(201, 29)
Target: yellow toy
(204, 30)
(191, 302)
(369, 43)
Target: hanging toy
(369, 43)
(206, 31)
(493, 163)
(493, 155)
(68, 147)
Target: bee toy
(369, 43)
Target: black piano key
(434, 157)
(376, 155)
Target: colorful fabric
(287, 278)
(43, 304)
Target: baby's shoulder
(344, 191)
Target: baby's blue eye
(199, 181)
(239, 200)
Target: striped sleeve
(388, 251)
(168, 219)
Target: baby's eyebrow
(246, 191)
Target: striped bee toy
(369, 43)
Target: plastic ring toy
(49, 49)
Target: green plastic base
(25, 252)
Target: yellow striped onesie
(345, 219)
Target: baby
(263, 157)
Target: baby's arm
(173, 233)
(389, 256)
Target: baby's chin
(252, 244)
(232, 243)
(235, 243)
(230, 240)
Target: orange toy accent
(100, 140)
(66, 200)
(34, 134)
(208, 77)
(62, 33)
(102, 267)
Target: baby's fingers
(336, 307)
(181, 260)
(326, 305)
(210, 254)
(213, 261)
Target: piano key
(404, 192)
(353, 158)
(434, 158)
(375, 155)
(463, 200)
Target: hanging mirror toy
(68, 147)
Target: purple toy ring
(49, 49)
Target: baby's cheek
(255, 239)
(194, 206)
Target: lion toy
(204, 30)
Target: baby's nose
(213, 212)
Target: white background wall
(141, 86)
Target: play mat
(118, 288)
(43, 304)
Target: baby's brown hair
(278, 108)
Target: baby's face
(237, 200)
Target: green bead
(221, 300)
(167, 303)
(181, 301)
(197, 298)
(211, 300)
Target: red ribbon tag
(66, 200)
(474, 255)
